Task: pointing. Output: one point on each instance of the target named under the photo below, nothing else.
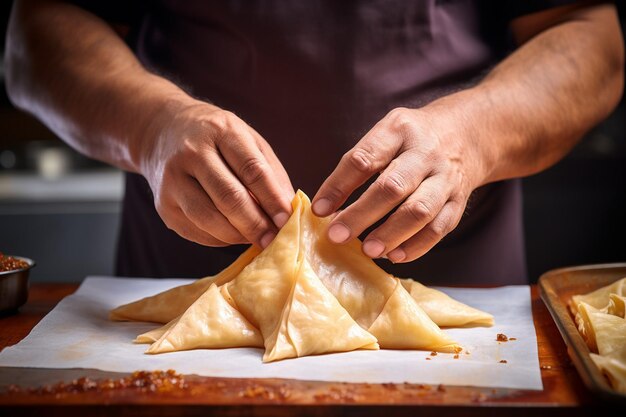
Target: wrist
(159, 113)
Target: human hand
(428, 167)
(215, 180)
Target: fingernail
(280, 219)
(396, 255)
(373, 248)
(338, 233)
(267, 239)
(322, 207)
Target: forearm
(533, 107)
(71, 70)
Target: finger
(200, 210)
(419, 244)
(233, 200)
(392, 187)
(179, 223)
(254, 171)
(372, 154)
(277, 166)
(416, 212)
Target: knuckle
(233, 198)
(252, 171)
(439, 228)
(401, 118)
(361, 159)
(188, 147)
(419, 211)
(394, 187)
(256, 226)
(223, 121)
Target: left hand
(429, 163)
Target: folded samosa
(599, 316)
(167, 305)
(444, 310)
(369, 294)
(615, 371)
(599, 298)
(605, 333)
(280, 294)
(609, 337)
(302, 295)
(210, 322)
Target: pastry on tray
(599, 316)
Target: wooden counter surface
(563, 394)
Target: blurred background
(62, 209)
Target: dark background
(62, 209)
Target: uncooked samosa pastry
(444, 310)
(210, 322)
(302, 295)
(166, 306)
(283, 297)
(617, 305)
(583, 322)
(613, 369)
(155, 334)
(372, 297)
(600, 297)
(605, 333)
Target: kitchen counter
(563, 394)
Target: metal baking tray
(556, 288)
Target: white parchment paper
(77, 334)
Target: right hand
(215, 180)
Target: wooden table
(563, 394)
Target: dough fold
(302, 295)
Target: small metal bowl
(14, 287)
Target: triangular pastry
(600, 297)
(167, 305)
(210, 322)
(154, 334)
(366, 291)
(599, 316)
(444, 310)
(301, 295)
(605, 333)
(296, 314)
(615, 371)
(313, 322)
(402, 324)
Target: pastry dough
(617, 305)
(600, 297)
(603, 326)
(166, 306)
(444, 310)
(210, 322)
(302, 295)
(614, 370)
(604, 333)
